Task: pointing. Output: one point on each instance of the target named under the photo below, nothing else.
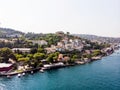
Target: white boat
(31, 72)
(23, 74)
(19, 75)
(41, 70)
(8, 76)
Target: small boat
(23, 74)
(31, 72)
(8, 76)
(41, 70)
(19, 75)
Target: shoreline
(55, 67)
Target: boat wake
(2, 87)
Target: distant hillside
(7, 32)
(99, 38)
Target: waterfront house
(60, 57)
(4, 67)
(55, 65)
(66, 59)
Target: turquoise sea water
(99, 75)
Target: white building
(5, 67)
(21, 49)
(39, 42)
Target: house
(88, 51)
(3, 40)
(60, 57)
(60, 33)
(39, 42)
(60, 49)
(61, 44)
(79, 48)
(52, 66)
(21, 49)
(65, 40)
(6, 40)
(50, 50)
(66, 58)
(4, 67)
(69, 47)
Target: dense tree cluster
(5, 54)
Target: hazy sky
(99, 17)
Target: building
(5, 67)
(60, 33)
(40, 42)
(50, 50)
(21, 49)
(55, 65)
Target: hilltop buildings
(65, 44)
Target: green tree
(74, 57)
(6, 53)
(26, 59)
(33, 50)
(50, 58)
(30, 56)
(88, 56)
(96, 53)
(39, 56)
(18, 56)
(40, 50)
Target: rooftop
(2, 65)
(21, 49)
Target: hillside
(7, 32)
(99, 38)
